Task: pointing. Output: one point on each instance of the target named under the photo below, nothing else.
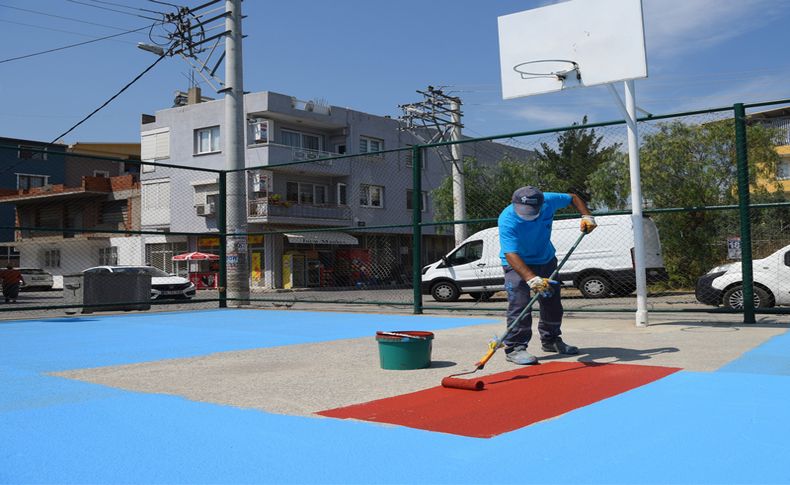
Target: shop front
(312, 259)
(255, 245)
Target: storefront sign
(208, 241)
(733, 248)
(232, 260)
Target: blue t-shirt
(530, 239)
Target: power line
(72, 45)
(165, 3)
(115, 10)
(58, 30)
(126, 6)
(37, 12)
(128, 85)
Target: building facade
(367, 189)
(25, 164)
(63, 226)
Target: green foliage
(489, 189)
(682, 165)
(579, 154)
(686, 165)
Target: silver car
(36, 279)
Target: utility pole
(188, 36)
(459, 191)
(238, 274)
(439, 117)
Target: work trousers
(518, 296)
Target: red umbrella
(195, 256)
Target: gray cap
(527, 202)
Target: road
(370, 300)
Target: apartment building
(25, 164)
(363, 191)
(62, 225)
(778, 119)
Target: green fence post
(222, 225)
(743, 204)
(416, 206)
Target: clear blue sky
(371, 56)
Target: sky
(371, 56)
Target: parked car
(35, 279)
(163, 285)
(723, 285)
(602, 265)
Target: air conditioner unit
(205, 209)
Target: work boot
(560, 347)
(519, 355)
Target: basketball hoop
(560, 69)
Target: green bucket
(409, 349)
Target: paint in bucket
(404, 349)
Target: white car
(163, 285)
(36, 279)
(723, 285)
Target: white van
(601, 265)
(723, 285)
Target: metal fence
(415, 228)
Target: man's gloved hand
(542, 286)
(588, 224)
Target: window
(27, 182)
(783, 170)
(32, 153)
(303, 193)
(300, 140)
(369, 145)
(9, 255)
(52, 258)
(371, 196)
(155, 202)
(340, 149)
(160, 255)
(207, 140)
(409, 155)
(342, 192)
(155, 145)
(108, 256)
(469, 252)
(423, 200)
(101, 173)
(258, 132)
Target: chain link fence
(412, 228)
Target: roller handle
(493, 346)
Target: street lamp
(151, 48)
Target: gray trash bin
(131, 291)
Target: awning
(195, 256)
(327, 237)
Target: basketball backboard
(571, 44)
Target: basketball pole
(629, 112)
(636, 207)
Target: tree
(565, 169)
(684, 165)
(579, 153)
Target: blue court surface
(729, 426)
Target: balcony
(273, 154)
(263, 210)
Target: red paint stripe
(511, 400)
